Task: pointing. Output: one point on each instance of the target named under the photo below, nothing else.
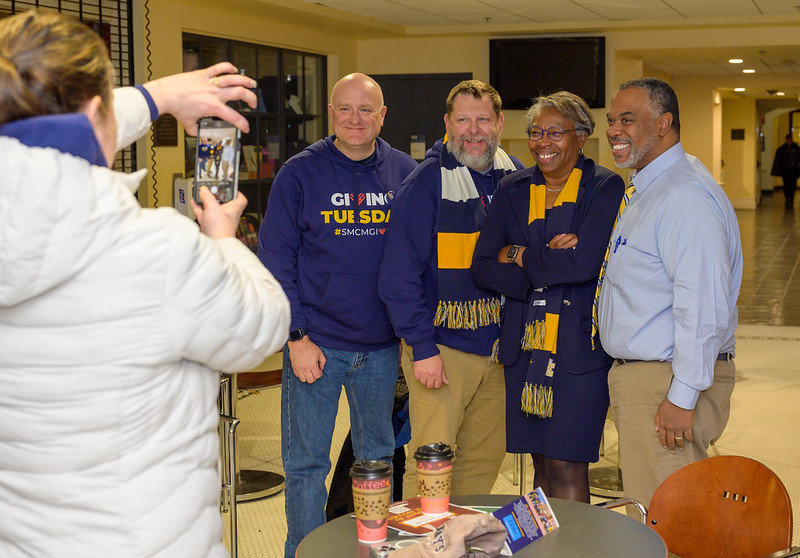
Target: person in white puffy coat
(114, 319)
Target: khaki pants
(637, 388)
(468, 413)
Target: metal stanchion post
(515, 476)
(224, 405)
(231, 424)
(252, 484)
(605, 482)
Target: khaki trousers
(637, 388)
(468, 414)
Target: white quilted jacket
(113, 322)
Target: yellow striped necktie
(629, 191)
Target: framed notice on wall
(165, 131)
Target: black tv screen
(522, 69)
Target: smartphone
(217, 159)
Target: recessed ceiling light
(780, 93)
(748, 71)
(739, 89)
(735, 61)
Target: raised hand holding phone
(191, 95)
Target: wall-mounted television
(522, 69)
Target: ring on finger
(679, 437)
(214, 81)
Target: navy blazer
(596, 209)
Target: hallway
(770, 293)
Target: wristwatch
(513, 250)
(297, 334)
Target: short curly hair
(662, 98)
(565, 103)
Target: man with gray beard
(448, 325)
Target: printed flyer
(527, 519)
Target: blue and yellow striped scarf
(540, 334)
(462, 305)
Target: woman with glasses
(542, 247)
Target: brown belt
(620, 361)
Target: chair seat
(726, 506)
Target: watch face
(512, 252)
(297, 334)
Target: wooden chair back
(725, 506)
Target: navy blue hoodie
(323, 236)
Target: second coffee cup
(434, 471)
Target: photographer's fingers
(232, 87)
(233, 116)
(193, 95)
(198, 211)
(235, 207)
(219, 220)
(219, 69)
(225, 77)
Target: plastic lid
(434, 452)
(372, 469)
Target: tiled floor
(770, 293)
(764, 404)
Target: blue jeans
(308, 415)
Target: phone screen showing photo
(217, 160)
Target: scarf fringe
(533, 336)
(468, 314)
(495, 356)
(537, 400)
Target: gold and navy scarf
(540, 334)
(462, 305)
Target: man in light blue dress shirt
(667, 307)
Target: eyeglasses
(554, 134)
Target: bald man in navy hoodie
(322, 238)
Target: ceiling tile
(545, 11)
(715, 8)
(621, 10)
(777, 7)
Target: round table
(584, 530)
